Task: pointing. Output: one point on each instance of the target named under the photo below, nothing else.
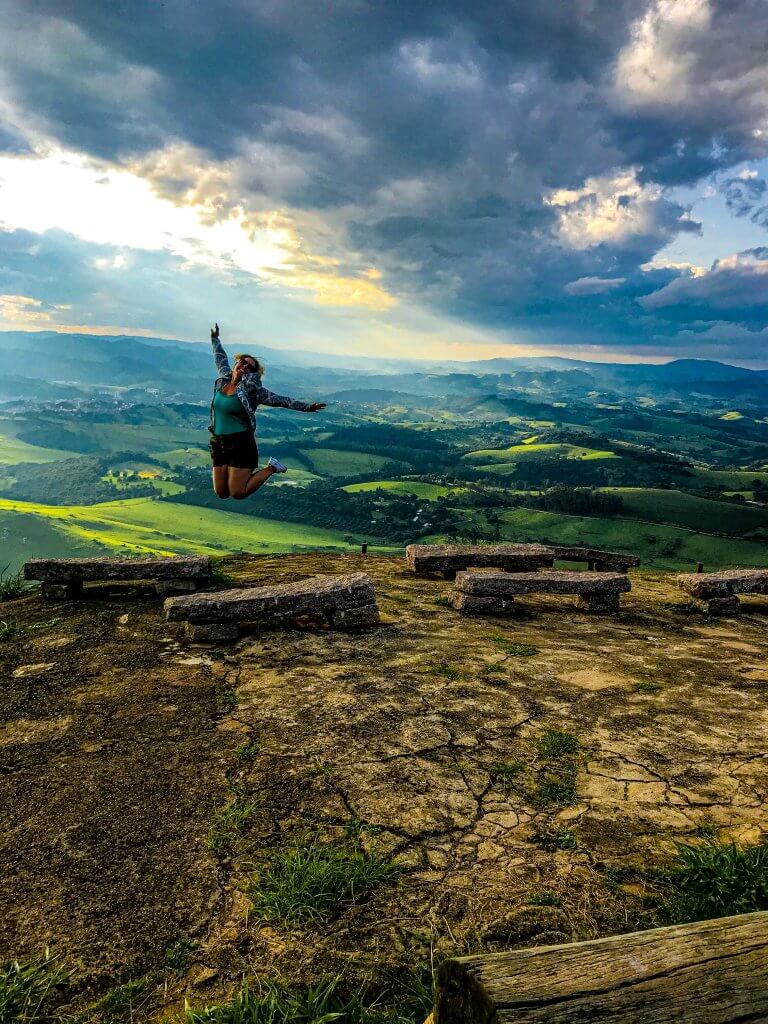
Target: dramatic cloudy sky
(405, 178)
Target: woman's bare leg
(243, 482)
(221, 481)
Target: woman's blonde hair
(260, 368)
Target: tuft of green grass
(323, 1003)
(446, 670)
(12, 584)
(313, 884)
(320, 769)
(512, 647)
(226, 699)
(248, 752)
(647, 686)
(120, 1003)
(506, 773)
(543, 898)
(177, 955)
(442, 601)
(555, 785)
(552, 839)
(229, 824)
(356, 827)
(715, 880)
(11, 631)
(27, 989)
(557, 743)
(706, 829)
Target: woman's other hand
(316, 407)
(214, 332)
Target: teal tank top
(229, 416)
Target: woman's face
(243, 366)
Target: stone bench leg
(175, 587)
(355, 618)
(720, 606)
(599, 603)
(211, 632)
(69, 591)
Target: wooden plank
(709, 972)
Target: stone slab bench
(716, 592)
(345, 602)
(63, 578)
(595, 558)
(494, 593)
(449, 559)
(708, 972)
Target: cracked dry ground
(119, 743)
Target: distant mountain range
(46, 365)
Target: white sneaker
(277, 466)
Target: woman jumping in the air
(236, 394)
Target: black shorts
(236, 450)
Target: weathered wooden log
(71, 570)
(708, 585)
(326, 595)
(500, 584)
(709, 972)
(452, 558)
(595, 558)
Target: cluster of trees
(577, 501)
(398, 518)
(73, 481)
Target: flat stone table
(494, 593)
(346, 602)
(63, 578)
(716, 592)
(449, 559)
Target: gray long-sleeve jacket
(250, 390)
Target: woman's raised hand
(316, 406)
(214, 332)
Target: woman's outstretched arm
(222, 363)
(261, 396)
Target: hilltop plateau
(474, 784)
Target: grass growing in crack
(356, 827)
(716, 879)
(229, 824)
(556, 743)
(313, 884)
(320, 770)
(442, 601)
(27, 989)
(316, 1004)
(551, 839)
(226, 699)
(507, 773)
(555, 785)
(512, 647)
(12, 584)
(248, 752)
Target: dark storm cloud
(428, 137)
